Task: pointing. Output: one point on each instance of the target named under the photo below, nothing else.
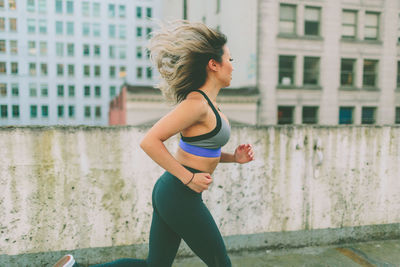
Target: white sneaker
(66, 261)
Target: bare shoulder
(194, 104)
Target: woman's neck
(211, 89)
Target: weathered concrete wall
(76, 188)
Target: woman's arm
(187, 113)
(243, 154)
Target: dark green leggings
(179, 213)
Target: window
(32, 48)
(312, 21)
(371, 31)
(42, 26)
(149, 12)
(112, 71)
(346, 115)
(71, 70)
(3, 89)
(349, 24)
(85, 8)
(139, 72)
(149, 72)
(111, 10)
(286, 70)
(111, 31)
(85, 29)
(310, 115)
(97, 71)
(368, 115)
(14, 89)
(347, 72)
(148, 32)
(70, 50)
(60, 90)
(86, 50)
(42, 6)
(122, 52)
(70, 7)
(97, 50)
(31, 23)
(86, 70)
(113, 90)
(14, 68)
(3, 111)
(87, 112)
(96, 9)
(15, 111)
(397, 116)
(138, 31)
(86, 90)
(12, 4)
(60, 69)
(13, 24)
(32, 69)
(370, 73)
(2, 24)
(43, 69)
(59, 6)
(311, 71)
(96, 29)
(30, 5)
(287, 19)
(71, 90)
(139, 52)
(122, 71)
(97, 112)
(285, 114)
(33, 111)
(14, 47)
(138, 12)
(70, 28)
(59, 49)
(122, 11)
(3, 68)
(59, 27)
(97, 91)
(2, 46)
(60, 111)
(71, 111)
(111, 51)
(122, 31)
(45, 111)
(44, 91)
(43, 48)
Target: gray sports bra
(215, 139)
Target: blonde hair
(181, 51)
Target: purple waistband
(200, 151)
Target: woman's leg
(185, 213)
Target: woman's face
(226, 68)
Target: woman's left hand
(244, 153)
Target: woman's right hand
(200, 182)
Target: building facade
(62, 61)
(329, 62)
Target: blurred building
(62, 61)
(329, 62)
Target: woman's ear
(212, 64)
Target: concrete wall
(89, 189)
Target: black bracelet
(190, 180)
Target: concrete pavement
(368, 254)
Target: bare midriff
(203, 164)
